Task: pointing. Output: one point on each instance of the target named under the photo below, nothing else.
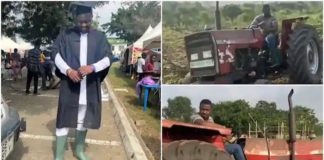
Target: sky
(310, 96)
(104, 12)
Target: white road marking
(120, 90)
(105, 99)
(104, 96)
(52, 138)
(40, 95)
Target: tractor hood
(212, 53)
(170, 124)
(253, 37)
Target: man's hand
(74, 75)
(85, 70)
(229, 138)
(261, 24)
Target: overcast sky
(310, 96)
(104, 12)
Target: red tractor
(183, 141)
(240, 56)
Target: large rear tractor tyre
(305, 56)
(193, 150)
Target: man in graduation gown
(82, 56)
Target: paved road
(40, 113)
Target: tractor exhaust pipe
(292, 127)
(217, 17)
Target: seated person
(203, 118)
(269, 25)
(147, 80)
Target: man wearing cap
(269, 25)
(82, 56)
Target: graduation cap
(81, 7)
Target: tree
(231, 11)
(130, 22)
(266, 115)
(178, 109)
(233, 114)
(248, 15)
(305, 118)
(36, 20)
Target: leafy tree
(231, 11)
(178, 109)
(248, 15)
(233, 114)
(36, 20)
(305, 117)
(130, 22)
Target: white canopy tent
(153, 39)
(150, 39)
(8, 45)
(139, 42)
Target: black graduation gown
(67, 45)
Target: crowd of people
(37, 62)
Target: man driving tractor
(269, 25)
(203, 118)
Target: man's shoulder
(72, 30)
(259, 17)
(33, 50)
(97, 32)
(195, 117)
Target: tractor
(241, 56)
(184, 141)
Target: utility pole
(249, 130)
(256, 129)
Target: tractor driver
(203, 118)
(269, 25)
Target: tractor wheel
(193, 150)
(305, 56)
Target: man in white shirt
(82, 56)
(140, 66)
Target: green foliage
(306, 117)
(36, 20)
(130, 22)
(186, 16)
(178, 109)
(174, 56)
(178, 15)
(183, 18)
(233, 114)
(231, 11)
(238, 114)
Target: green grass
(150, 131)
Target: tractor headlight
(207, 54)
(194, 56)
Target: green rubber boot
(80, 145)
(60, 147)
